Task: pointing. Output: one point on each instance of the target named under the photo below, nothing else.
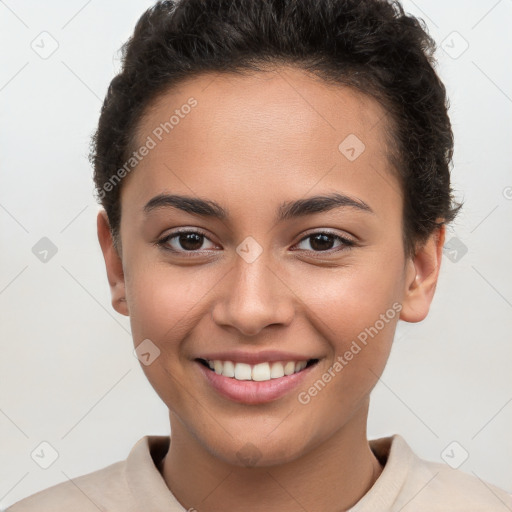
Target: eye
(324, 241)
(188, 241)
(184, 241)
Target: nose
(254, 296)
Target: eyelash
(347, 243)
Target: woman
(275, 186)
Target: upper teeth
(257, 372)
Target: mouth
(254, 384)
(260, 372)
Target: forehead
(268, 133)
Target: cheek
(356, 311)
(165, 306)
(360, 347)
(165, 301)
(346, 301)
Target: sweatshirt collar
(150, 492)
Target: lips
(253, 391)
(255, 377)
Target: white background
(67, 372)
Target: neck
(332, 477)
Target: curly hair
(370, 45)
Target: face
(252, 277)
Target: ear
(113, 263)
(422, 273)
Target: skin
(251, 143)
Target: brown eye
(321, 242)
(190, 241)
(184, 241)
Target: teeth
(228, 369)
(301, 366)
(276, 371)
(242, 371)
(259, 372)
(289, 368)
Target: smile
(258, 372)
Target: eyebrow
(287, 210)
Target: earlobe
(113, 263)
(422, 274)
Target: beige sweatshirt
(407, 484)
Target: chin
(255, 450)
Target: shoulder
(130, 485)
(434, 486)
(87, 493)
(455, 490)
